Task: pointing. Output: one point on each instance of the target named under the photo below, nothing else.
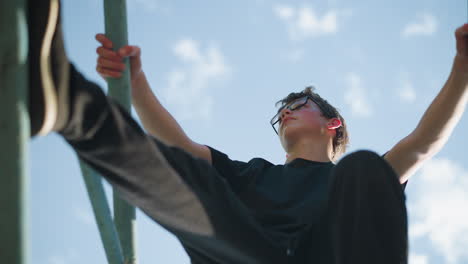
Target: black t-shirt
(287, 200)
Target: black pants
(366, 222)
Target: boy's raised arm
(439, 120)
(155, 118)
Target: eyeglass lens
(295, 105)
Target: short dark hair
(341, 139)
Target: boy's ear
(334, 123)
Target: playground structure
(117, 232)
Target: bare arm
(155, 118)
(439, 120)
(160, 123)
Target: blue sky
(219, 67)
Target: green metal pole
(115, 12)
(118, 235)
(102, 214)
(14, 132)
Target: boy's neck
(310, 150)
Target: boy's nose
(285, 112)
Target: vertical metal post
(115, 12)
(102, 215)
(117, 235)
(14, 132)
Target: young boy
(308, 210)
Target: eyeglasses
(295, 105)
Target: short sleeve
(237, 173)
(403, 185)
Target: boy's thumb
(124, 51)
(128, 51)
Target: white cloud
(417, 259)
(284, 12)
(356, 96)
(188, 50)
(439, 212)
(406, 92)
(84, 216)
(188, 87)
(302, 22)
(425, 25)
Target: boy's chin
(295, 131)
(291, 134)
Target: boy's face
(305, 121)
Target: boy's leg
(184, 194)
(367, 213)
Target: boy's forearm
(445, 111)
(156, 120)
